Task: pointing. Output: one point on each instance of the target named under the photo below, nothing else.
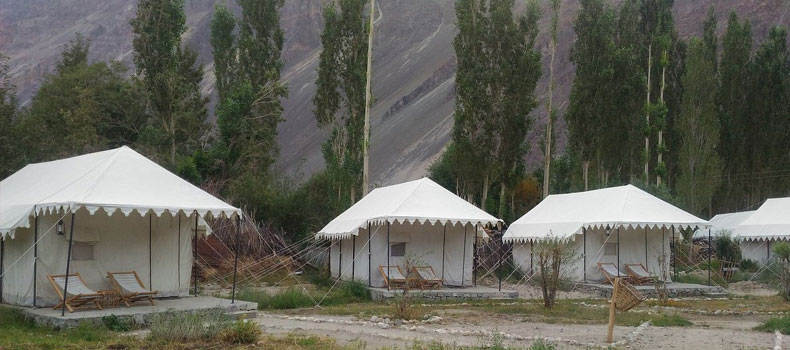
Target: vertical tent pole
(195, 254)
(178, 253)
(388, 254)
(370, 284)
(646, 267)
(35, 256)
(444, 241)
(68, 266)
(618, 251)
(768, 253)
(236, 258)
(663, 253)
(474, 256)
(584, 252)
(353, 257)
(2, 268)
(709, 252)
(531, 255)
(499, 263)
(340, 256)
(463, 261)
(150, 238)
(331, 244)
(674, 254)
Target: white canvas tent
(756, 230)
(620, 225)
(114, 210)
(418, 219)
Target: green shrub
(348, 292)
(291, 298)
(726, 248)
(14, 318)
(749, 265)
(185, 326)
(539, 344)
(242, 332)
(115, 323)
(781, 324)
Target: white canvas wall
(633, 250)
(120, 243)
(423, 245)
(757, 251)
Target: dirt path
(731, 333)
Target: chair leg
(151, 299)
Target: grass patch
(343, 293)
(189, 326)
(781, 324)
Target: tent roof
(770, 221)
(564, 215)
(724, 223)
(117, 179)
(420, 200)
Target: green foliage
(189, 326)
(9, 158)
(171, 78)
(540, 344)
(749, 265)
(726, 248)
(290, 298)
(242, 332)
(340, 96)
(781, 324)
(115, 323)
(782, 254)
(699, 165)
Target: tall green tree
(340, 96)
(733, 110)
(247, 67)
(171, 78)
(498, 69)
(8, 121)
(550, 111)
(709, 38)
(699, 165)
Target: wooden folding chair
(80, 293)
(426, 277)
(610, 271)
(639, 274)
(393, 276)
(130, 287)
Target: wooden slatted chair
(393, 276)
(426, 277)
(79, 292)
(639, 274)
(610, 271)
(130, 287)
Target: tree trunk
(485, 193)
(661, 130)
(502, 200)
(586, 173)
(647, 115)
(549, 118)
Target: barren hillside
(413, 65)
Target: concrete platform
(446, 293)
(140, 313)
(676, 290)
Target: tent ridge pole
(68, 266)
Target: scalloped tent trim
(596, 226)
(411, 221)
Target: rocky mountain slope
(414, 65)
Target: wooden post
(610, 330)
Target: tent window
(398, 249)
(610, 249)
(81, 251)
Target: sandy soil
(750, 288)
(707, 333)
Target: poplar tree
(699, 165)
(8, 110)
(550, 112)
(171, 77)
(340, 96)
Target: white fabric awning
(414, 201)
(117, 179)
(564, 215)
(724, 223)
(769, 222)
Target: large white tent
(104, 210)
(755, 230)
(418, 220)
(620, 225)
